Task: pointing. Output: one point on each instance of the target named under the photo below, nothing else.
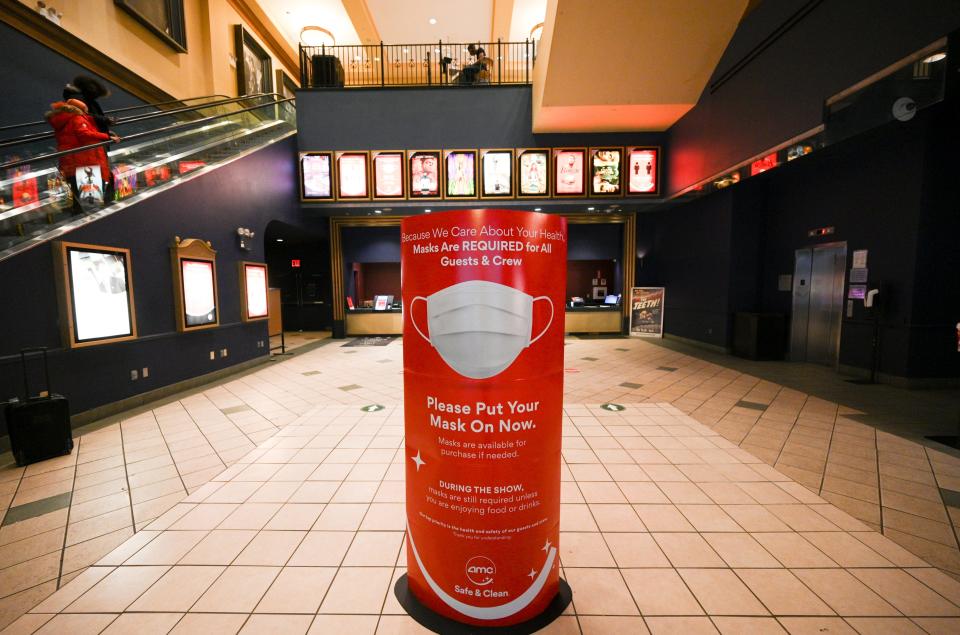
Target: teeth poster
(483, 388)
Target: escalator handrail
(38, 136)
(115, 110)
(137, 135)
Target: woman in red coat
(74, 128)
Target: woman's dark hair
(90, 87)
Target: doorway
(818, 280)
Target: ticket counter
(371, 322)
(593, 319)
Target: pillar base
(441, 624)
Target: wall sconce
(245, 236)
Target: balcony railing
(437, 64)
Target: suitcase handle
(23, 362)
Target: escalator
(161, 144)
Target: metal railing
(436, 64)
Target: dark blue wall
(433, 118)
(34, 77)
(780, 93)
(249, 192)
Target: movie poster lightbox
(461, 174)
(496, 173)
(95, 286)
(643, 171)
(352, 181)
(389, 175)
(254, 294)
(569, 172)
(606, 171)
(533, 172)
(424, 174)
(316, 176)
(194, 264)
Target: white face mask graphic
(480, 327)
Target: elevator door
(818, 279)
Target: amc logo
(480, 570)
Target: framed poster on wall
(606, 170)
(388, 174)
(461, 174)
(424, 174)
(195, 284)
(643, 171)
(496, 173)
(352, 181)
(316, 176)
(646, 311)
(95, 285)
(254, 298)
(533, 172)
(254, 66)
(569, 172)
(285, 85)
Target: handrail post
(382, 66)
(429, 69)
(499, 63)
(527, 61)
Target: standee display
(483, 296)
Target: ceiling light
(590, 209)
(426, 211)
(376, 211)
(316, 36)
(936, 57)
(537, 209)
(536, 31)
(279, 240)
(432, 20)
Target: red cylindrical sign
(483, 309)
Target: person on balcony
(89, 90)
(74, 128)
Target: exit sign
(820, 231)
(295, 263)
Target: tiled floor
(652, 501)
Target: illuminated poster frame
(562, 172)
(330, 177)
(508, 152)
(64, 275)
(414, 193)
(546, 154)
(245, 313)
(465, 180)
(594, 173)
(342, 173)
(375, 157)
(627, 162)
(192, 250)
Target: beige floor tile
(752, 625)
(886, 625)
(70, 592)
(117, 590)
(687, 550)
(643, 493)
(143, 624)
(845, 594)
(598, 492)
(295, 516)
(708, 518)
(606, 624)
(720, 592)
(353, 624)
(845, 550)
(576, 518)
(341, 517)
(600, 592)
(205, 516)
(276, 625)
(907, 594)
(816, 626)
(357, 590)
(939, 625)
(77, 624)
(237, 590)
(297, 590)
(374, 549)
(582, 549)
(167, 548)
(635, 550)
(26, 624)
(219, 547)
(250, 516)
(680, 626)
(662, 518)
(755, 518)
(888, 549)
(616, 518)
(792, 550)
(741, 551)
(178, 589)
(940, 582)
(782, 593)
(322, 548)
(209, 624)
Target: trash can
(326, 71)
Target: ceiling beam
(501, 20)
(362, 21)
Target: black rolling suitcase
(39, 427)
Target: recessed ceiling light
(279, 240)
(376, 211)
(432, 20)
(537, 209)
(936, 57)
(426, 211)
(590, 209)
